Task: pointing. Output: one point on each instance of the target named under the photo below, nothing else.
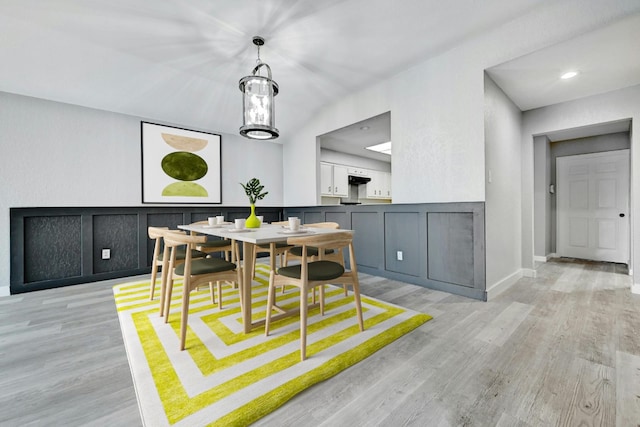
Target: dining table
(250, 237)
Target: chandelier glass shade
(258, 107)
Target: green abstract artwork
(180, 165)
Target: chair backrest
(172, 241)
(333, 225)
(156, 232)
(178, 239)
(336, 241)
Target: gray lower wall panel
(368, 246)
(119, 234)
(57, 246)
(443, 244)
(450, 248)
(342, 218)
(53, 247)
(400, 234)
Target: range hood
(357, 180)
(354, 182)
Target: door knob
(621, 215)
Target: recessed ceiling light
(569, 75)
(384, 148)
(364, 127)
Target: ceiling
(606, 59)
(179, 61)
(354, 138)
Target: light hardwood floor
(562, 349)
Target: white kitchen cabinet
(334, 180)
(386, 185)
(326, 179)
(357, 171)
(372, 187)
(380, 185)
(340, 181)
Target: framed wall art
(180, 165)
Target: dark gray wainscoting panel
(368, 246)
(341, 218)
(52, 247)
(400, 234)
(119, 234)
(307, 216)
(57, 246)
(450, 247)
(443, 244)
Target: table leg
(272, 256)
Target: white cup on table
(261, 219)
(240, 223)
(212, 220)
(294, 223)
(220, 219)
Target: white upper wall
(437, 124)
(503, 239)
(55, 154)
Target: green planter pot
(252, 221)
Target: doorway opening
(548, 148)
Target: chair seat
(181, 254)
(318, 270)
(215, 243)
(311, 251)
(206, 266)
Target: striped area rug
(226, 377)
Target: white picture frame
(180, 166)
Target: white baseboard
(529, 272)
(544, 258)
(503, 284)
(635, 288)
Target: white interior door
(593, 206)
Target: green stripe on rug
(226, 377)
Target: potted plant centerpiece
(253, 190)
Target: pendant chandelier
(257, 101)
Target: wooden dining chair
(277, 251)
(311, 274)
(213, 245)
(196, 272)
(160, 257)
(295, 252)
